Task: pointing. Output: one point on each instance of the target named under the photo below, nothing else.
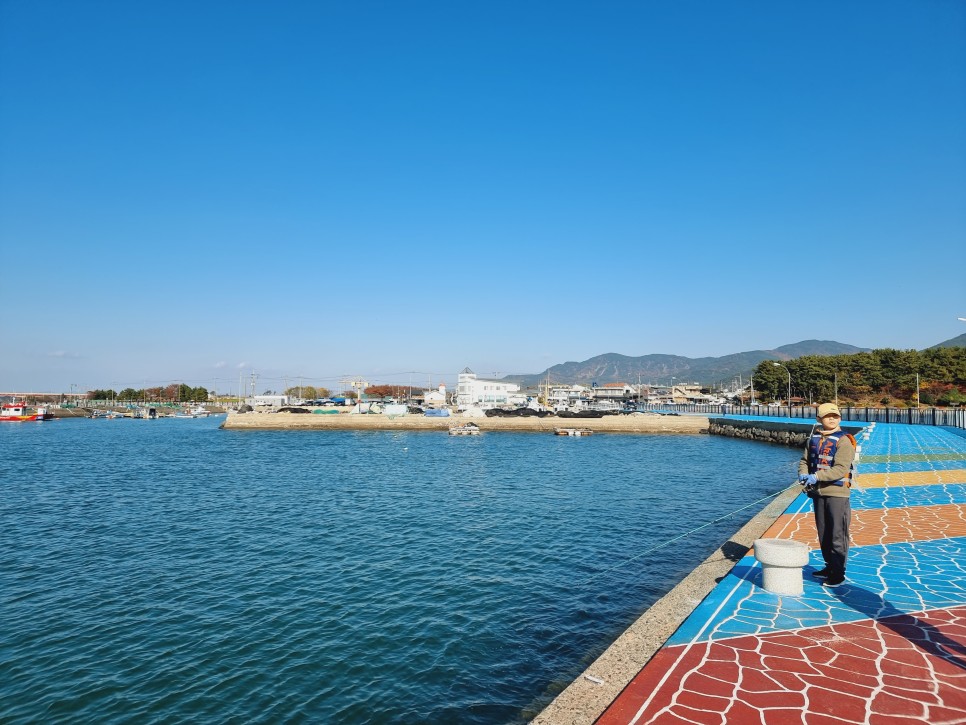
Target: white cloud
(64, 354)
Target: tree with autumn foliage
(308, 392)
(387, 391)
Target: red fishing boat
(17, 413)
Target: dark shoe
(821, 573)
(834, 580)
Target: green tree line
(170, 394)
(880, 377)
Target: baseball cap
(827, 409)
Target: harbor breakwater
(787, 434)
(792, 433)
(643, 423)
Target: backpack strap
(852, 472)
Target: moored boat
(467, 429)
(17, 413)
(572, 431)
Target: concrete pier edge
(585, 699)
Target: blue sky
(328, 189)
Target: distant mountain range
(659, 369)
(959, 341)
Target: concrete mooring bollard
(781, 564)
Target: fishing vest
(821, 454)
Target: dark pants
(832, 517)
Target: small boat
(467, 429)
(572, 431)
(436, 412)
(17, 413)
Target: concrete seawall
(787, 434)
(344, 421)
(792, 433)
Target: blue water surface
(169, 571)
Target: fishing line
(681, 536)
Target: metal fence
(948, 417)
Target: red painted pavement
(893, 671)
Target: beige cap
(828, 409)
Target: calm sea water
(165, 571)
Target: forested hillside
(879, 377)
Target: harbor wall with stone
(793, 433)
(786, 434)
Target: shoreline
(345, 421)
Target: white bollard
(781, 565)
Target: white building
(471, 391)
(435, 398)
(568, 396)
(273, 400)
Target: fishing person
(826, 472)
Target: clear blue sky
(322, 189)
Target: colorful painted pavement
(887, 647)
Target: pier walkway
(888, 647)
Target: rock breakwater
(786, 434)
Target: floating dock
(572, 431)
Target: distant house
(687, 394)
(435, 398)
(567, 396)
(471, 391)
(613, 391)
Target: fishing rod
(796, 484)
(686, 533)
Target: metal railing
(946, 417)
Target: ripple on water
(167, 570)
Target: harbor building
(617, 392)
(472, 391)
(571, 397)
(435, 398)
